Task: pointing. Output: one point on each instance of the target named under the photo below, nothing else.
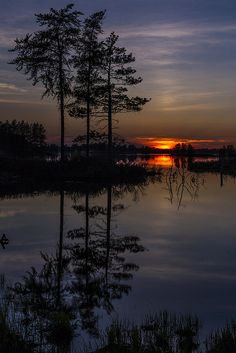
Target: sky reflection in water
(188, 232)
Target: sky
(185, 52)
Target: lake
(129, 250)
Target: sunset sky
(186, 54)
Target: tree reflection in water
(44, 309)
(88, 271)
(180, 181)
(100, 271)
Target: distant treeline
(227, 151)
(20, 138)
(183, 149)
(98, 143)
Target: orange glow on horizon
(163, 144)
(169, 143)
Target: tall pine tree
(87, 62)
(118, 76)
(45, 56)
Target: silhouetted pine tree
(118, 75)
(87, 62)
(45, 55)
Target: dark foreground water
(126, 251)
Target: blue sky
(185, 51)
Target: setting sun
(168, 143)
(159, 143)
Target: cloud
(6, 87)
(25, 102)
(8, 35)
(185, 65)
(175, 43)
(175, 30)
(12, 213)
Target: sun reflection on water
(161, 161)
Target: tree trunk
(88, 113)
(59, 268)
(109, 117)
(62, 131)
(87, 235)
(88, 130)
(62, 111)
(108, 235)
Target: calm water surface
(170, 244)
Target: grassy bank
(227, 166)
(160, 333)
(46, 172)
(17, 187)
(167, 333)
(12, 342)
